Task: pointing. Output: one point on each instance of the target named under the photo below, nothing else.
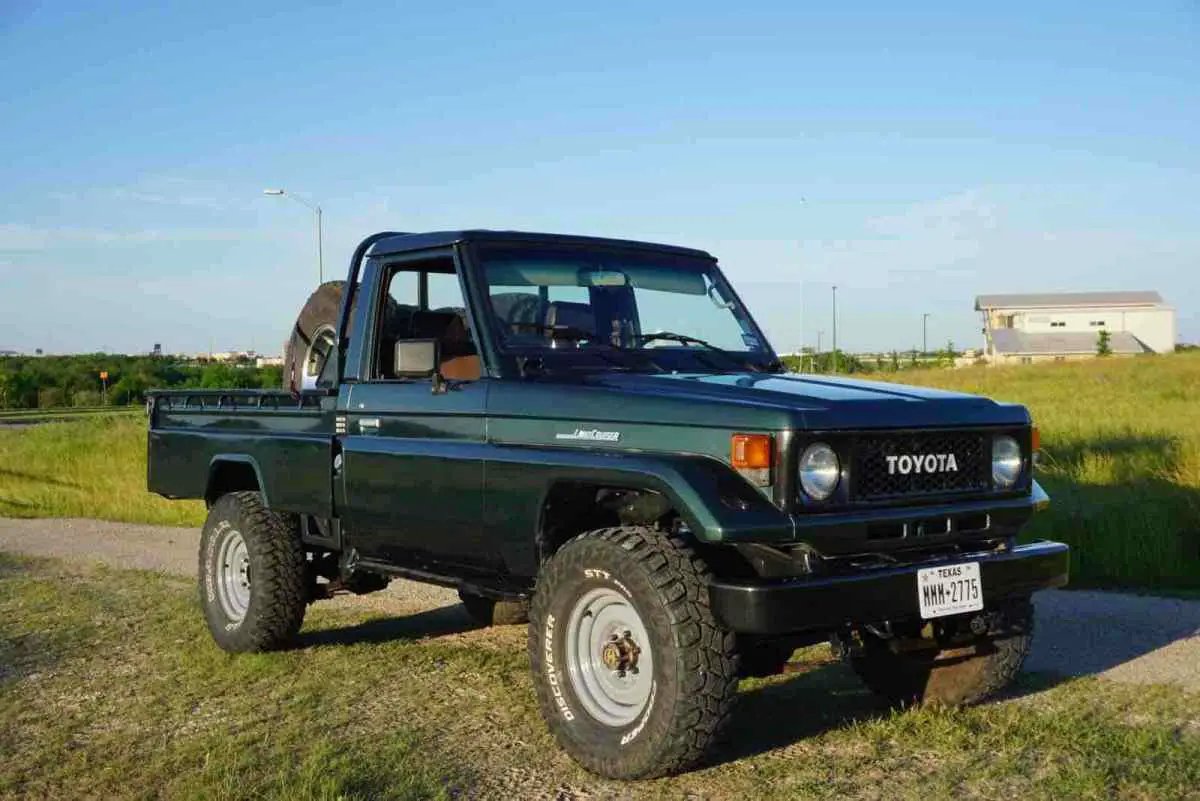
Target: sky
(913, 154)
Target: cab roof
(404, 243)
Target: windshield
(658, 308)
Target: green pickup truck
(593, 436)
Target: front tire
(958, 674)
(252, 575)
(634, 676)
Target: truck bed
(285, 439)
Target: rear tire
(252, 575)
(634, 676)
(491, 612)
(965, 674)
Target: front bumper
(783, 606)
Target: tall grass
(1120, 437)
(1121, 460)
(94, 467)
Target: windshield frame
(514, 359)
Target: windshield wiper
(684, 339)
(573, 334)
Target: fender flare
(717, 504)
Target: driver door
(413, 457)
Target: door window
(424, 301)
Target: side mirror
(416, 358)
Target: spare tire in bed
(314, 336)
(313, 339)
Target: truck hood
(820, 402)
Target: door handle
(368, 425)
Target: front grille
(890, 466)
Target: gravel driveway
(1128, 638)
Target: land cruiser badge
(590, 435)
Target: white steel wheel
(609, 659)
(233, 575)
(324, 340)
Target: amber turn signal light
(751, 456)
(750, 451)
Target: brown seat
(459, 360)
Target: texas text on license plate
(949, 590)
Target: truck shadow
(788, 709)
(821, 698)
(440, 622)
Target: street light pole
(925, 333)
(316, 209)
(835, 364)
(320, 250)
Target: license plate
(950, 590)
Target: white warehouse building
(1067, 325)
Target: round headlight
(1006, 462)
(819, 471)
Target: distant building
(1067, 325)
(269, 361)
(9, 353)
(228, 356)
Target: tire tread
(278, 583)
(707, 652)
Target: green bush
(51, 381)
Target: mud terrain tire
(252, 575)
(688, 661)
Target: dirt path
(1127, 638)
(170, 550)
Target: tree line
(842, 362)
(51, 382)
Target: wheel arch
(234, 472)
(714, 504)
(571, 507)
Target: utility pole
(835, 364)
(924, 333)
